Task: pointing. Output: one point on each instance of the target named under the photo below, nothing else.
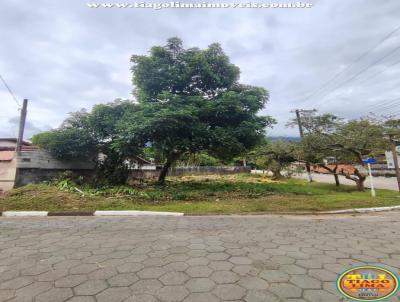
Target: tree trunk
(360, 185)
(334, 172)
(276, 174)
(336, 176)
(336, 179)
(359, 179)
(164, 171)
(308, 169)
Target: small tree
(274, 156)
(349, 142)
(358, 139)
(315, 149)
(86, 135)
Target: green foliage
(226, 194)
(346, 141)
(190, 101)
(85, 135)
(274, 156)
(199, 159)
(67, 143)
(359, 139)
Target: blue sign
(369, 161)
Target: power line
(374, 75)
(352, 64)
(382, 71)
(384, 110)
(386, 103)
(10, 91)
(360, 72)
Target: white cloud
(64, 56)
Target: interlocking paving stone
(199, 271)
(148, 286)
(285, 290)
(151, 272)
(6, 294)
(197, 285)
(114, 294)
(221, 265)
(174, 278)
(123, 279)
(224, 258)
(201, 297)
(253, 283)
(82, 299)
(320, 296)
(274, 276)
(55, 295)
(172, 293)
(16, 283)
(70, 281)
(90, 287)
(224, 277)
(229, 291)
(261, 296)
(303, 281)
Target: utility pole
(298, 117)
(396, 162)
(22, 120)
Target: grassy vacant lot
(245, 193)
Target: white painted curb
(365, 210)
(24, 213)
(135, 213)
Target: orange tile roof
(341, 168)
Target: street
(389, 183)
(204, 258)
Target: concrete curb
(24, 213)
(96, 213)
(135, 213)
(364, 210)
(176, 214)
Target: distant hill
(284, 138)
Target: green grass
(242, 193)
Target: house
(8, 161)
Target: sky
(64, 56)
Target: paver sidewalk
(204, 259)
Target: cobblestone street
(191, 259)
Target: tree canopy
(187, 101)
(347, 141)
(275, 156)
(190, 101)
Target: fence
(37, 166)
(137, 174)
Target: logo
(367, 283)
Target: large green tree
(187, 101)
(190, 101)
